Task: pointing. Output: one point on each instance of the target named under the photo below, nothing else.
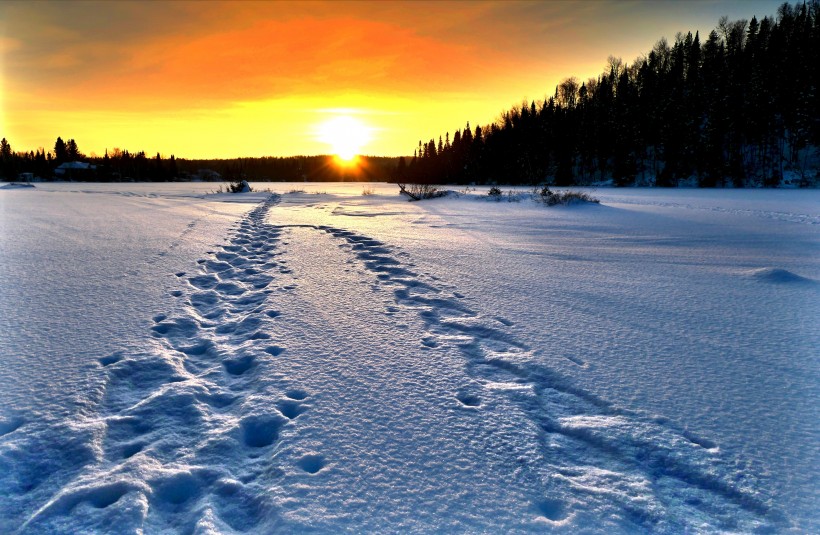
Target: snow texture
(329, 362)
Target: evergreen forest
(738, 108)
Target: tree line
(739, 109)
(121, 165)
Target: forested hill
(739, 107)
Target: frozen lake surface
(322, 360)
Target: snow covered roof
(76, 165)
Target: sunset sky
(227, 79)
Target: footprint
(239, 365)
(311, 463)
(177, 489)
(260, 336)
(272, 313)
(216, 400)
(200, 348)
(468, 400)
(184, 327)
(217, 266)
(102, 497)
(290, 409)
(214, 314)
(274, 350)
(203, 300)
(553, 510)
(111, 359)
(129, 450)
(252, 299)
(230, 288)
(203, 282)
(239, 507)
(260, 431)
(296, 394)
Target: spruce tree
(60, 153)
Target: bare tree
(567, 92)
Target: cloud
(250, 58)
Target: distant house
(25, 177)
(75, 171)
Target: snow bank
(777, 276)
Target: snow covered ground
(325, 361)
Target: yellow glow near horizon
(345, 135)
(346, 162)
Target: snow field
(342, 363)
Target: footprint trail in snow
(222, 423)
(189, 424)
(613, 463)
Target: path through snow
(308, 377)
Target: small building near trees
(75, 171)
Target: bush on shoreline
(552, 198)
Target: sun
(346, 136)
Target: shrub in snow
(551, 198)
(239, 186)
(495, 193)
(417, 192)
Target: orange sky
(227, 79)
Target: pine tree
(60, 153)
(6, 160)
(72, 152)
